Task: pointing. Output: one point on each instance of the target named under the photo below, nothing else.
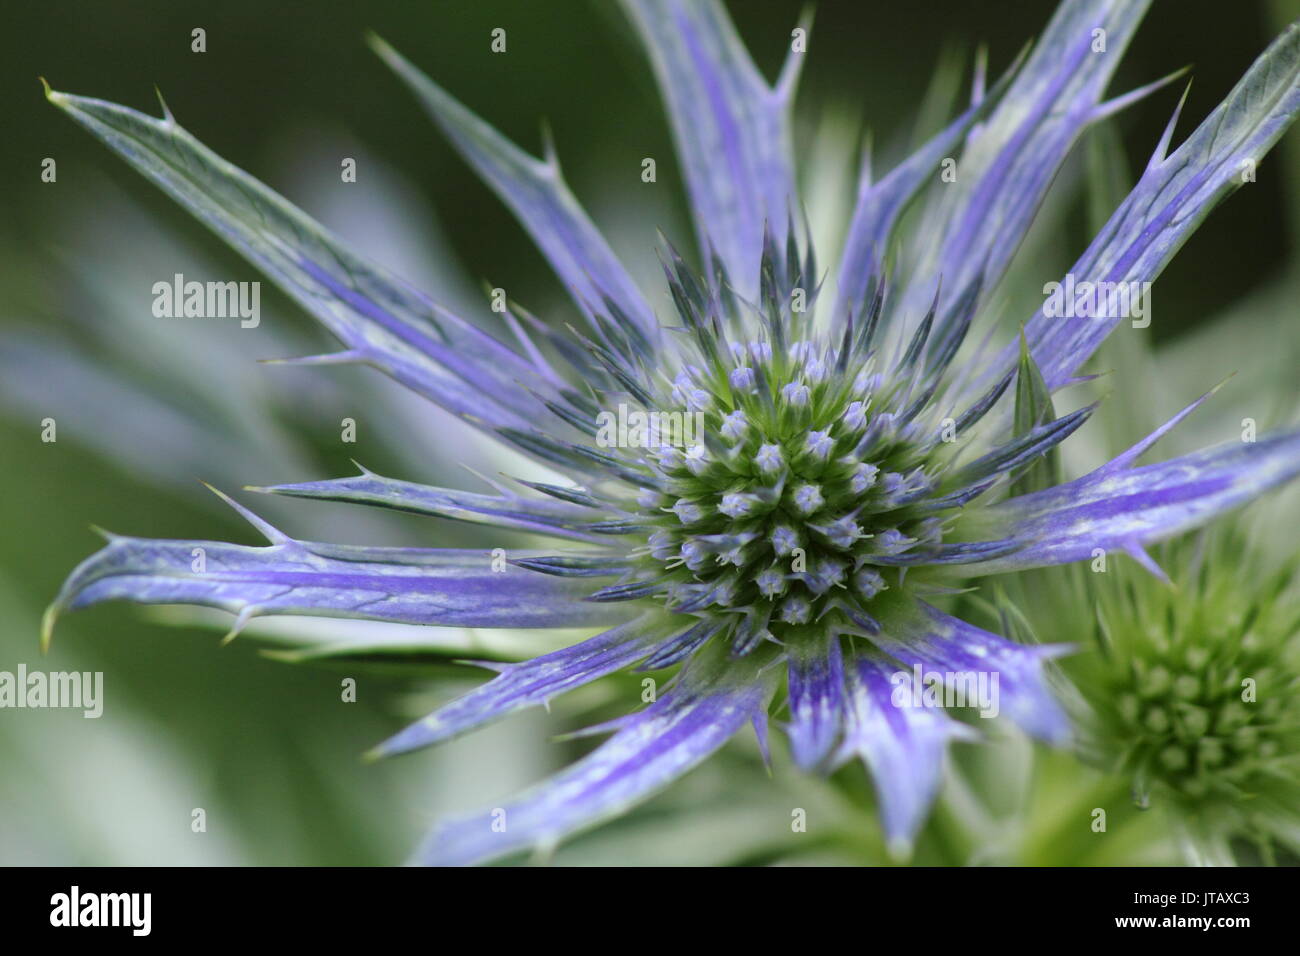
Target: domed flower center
(795, 487)
(1199, 724)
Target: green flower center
(1202, 723)
(794, 487)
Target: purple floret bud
(819, 445)
(795, 394)
(688, 512)
(771, 582)
(784, 539)
(769, 459)
(795, 610)
(808, 498)
(734, 426)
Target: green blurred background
(286, 90)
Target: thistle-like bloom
(1192, 692)
(850, 465)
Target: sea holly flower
(797, 556)
(1191, 691)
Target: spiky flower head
(768, 475)
(808, 477)
(1193, 692)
